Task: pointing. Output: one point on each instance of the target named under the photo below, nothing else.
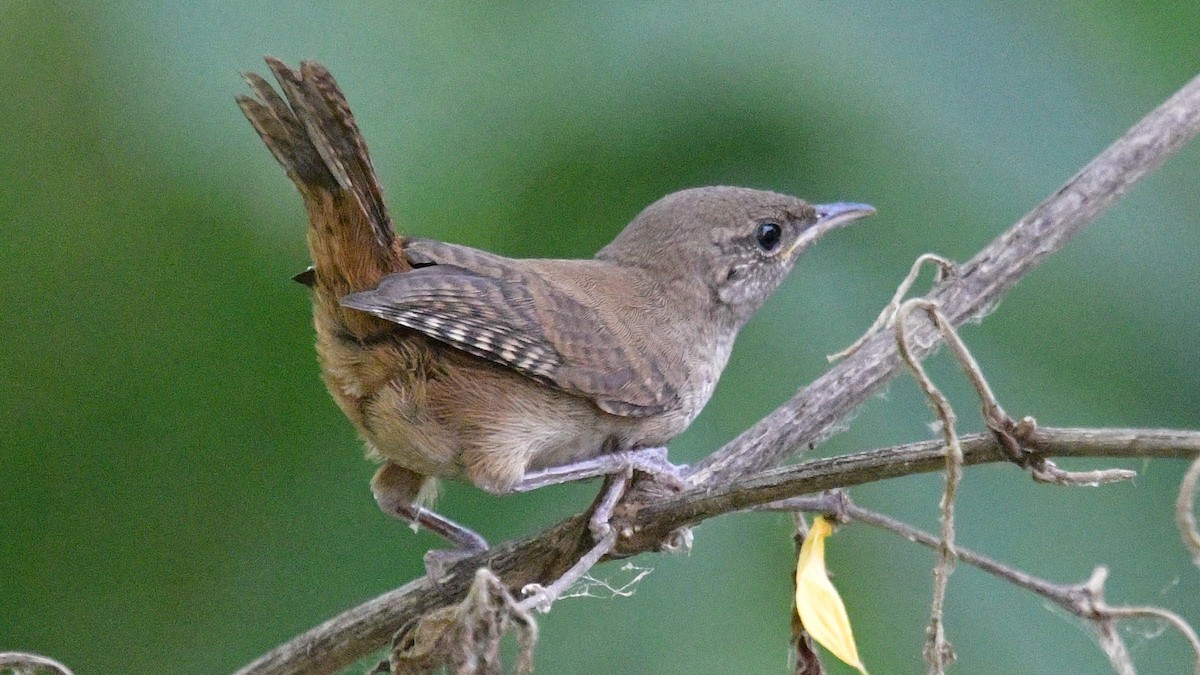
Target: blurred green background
(180, 494)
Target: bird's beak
(831, 217)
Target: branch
(802, 421)
(698, 504)
(545, 556)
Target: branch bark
(698, 504)
(723, 482)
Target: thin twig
(1185, 511)
(938, 652)
(945, 269)
(24, 662)
(1157, 613)
(1008, 431)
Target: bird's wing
(490, 307)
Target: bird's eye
(768, 235)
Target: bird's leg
(396, 490)
(461, 536)
(614, 488)
(647, 460)
(620, 467)
(540, 597)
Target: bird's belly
(444, 413)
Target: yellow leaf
(817, 601)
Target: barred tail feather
(311, 132)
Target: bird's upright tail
(312, 133)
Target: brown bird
(457, 363)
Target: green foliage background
(179, 494)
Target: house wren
(457, 363)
